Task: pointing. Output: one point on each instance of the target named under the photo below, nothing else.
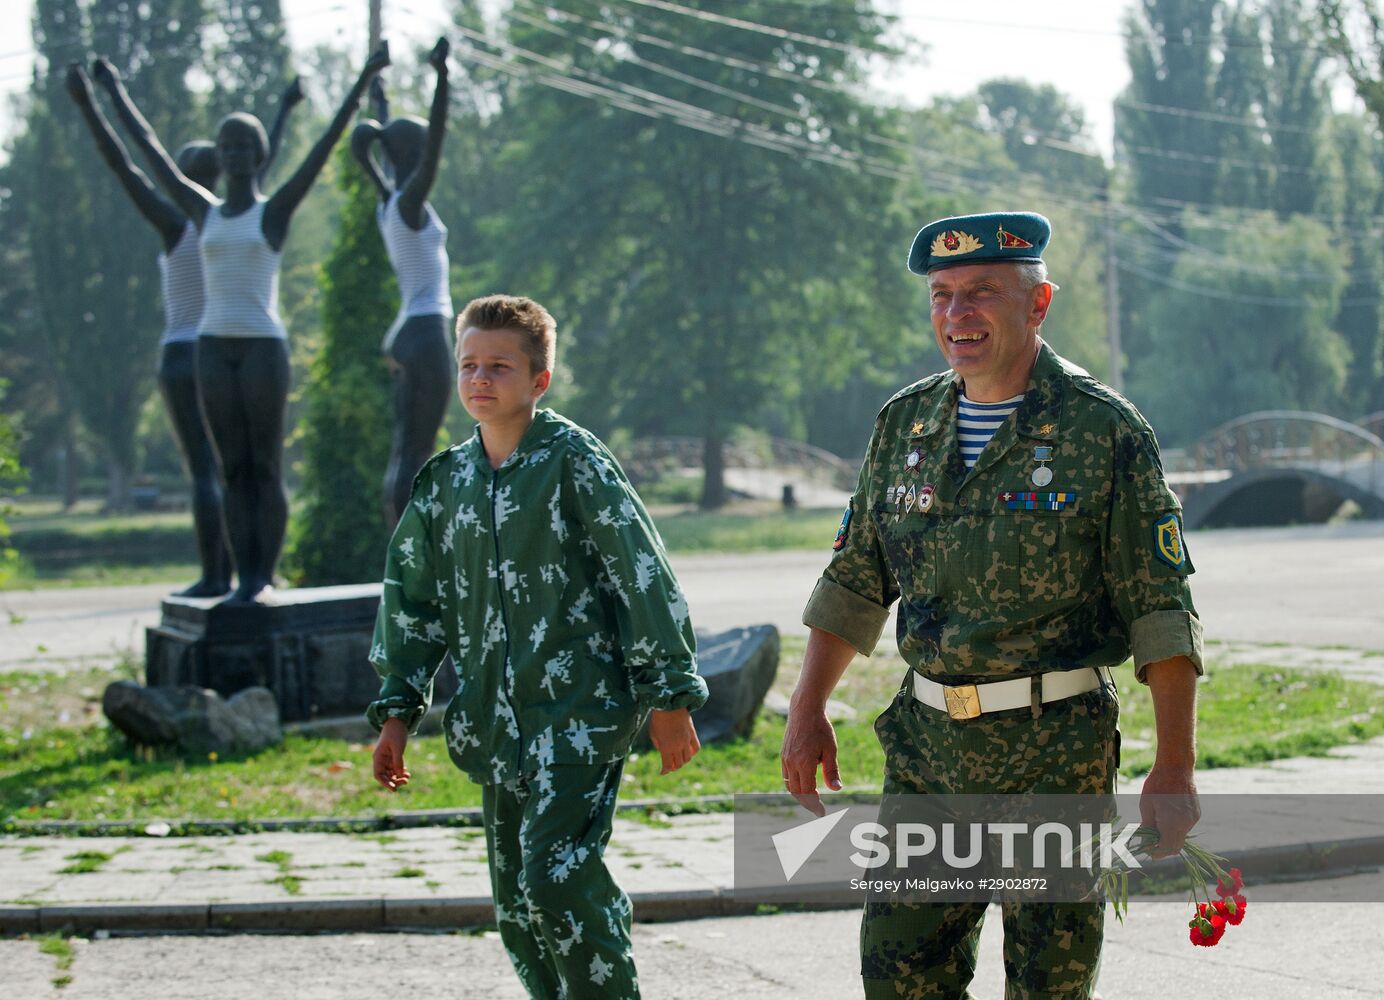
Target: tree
(338, 532)
(1297, 110)
(1355, 32)
(95, 289)
(1361, 319)
(1038, 124)
(248, 56)
(1239, 336)
(697, 273)
(1173, 55)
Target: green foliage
(1233, 368)
(11, 475)
(1354, 31)
(95, 287)
(1037, 124)
(697, 276)
(248, 57)
(1229, 107)
(338, 534)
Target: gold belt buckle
(963, 701)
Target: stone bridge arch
(1280, 467)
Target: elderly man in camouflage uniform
(1027, 556)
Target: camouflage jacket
(547, 582)
(997, 576)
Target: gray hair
(1031, 275)
(1035, 273)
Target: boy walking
(526, 554)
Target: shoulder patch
(1167, 541)
(845, 528)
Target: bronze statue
(242, 349)
(417, 345)
(180, 270)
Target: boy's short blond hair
(535, 325)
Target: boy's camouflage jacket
(547, 582)
(1062, 548)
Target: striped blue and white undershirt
(976, 424)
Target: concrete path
(1320, 586)
(1283, 951)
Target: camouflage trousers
(561, 917)
(914, 950)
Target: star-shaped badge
(918, 427)
(1047, 429)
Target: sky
(1073, 44)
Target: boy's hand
(674, 737)
(389, 755)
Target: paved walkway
(1313, 587)
(675, 867)
(1283, 951)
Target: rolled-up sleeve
(852, 599)
(1146, 558)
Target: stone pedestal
(309, 646)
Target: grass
(1248, 714)
(36, 701)
(105, 574)
(59, 947)
(282, 860)
(85, 862)
(84, 547)
(751, 527)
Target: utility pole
(376, 28)
(1112, 291)
(1112, 264)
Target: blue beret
(1015, 237)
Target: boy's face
(494, 379)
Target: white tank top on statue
(180, 279)
(419, 257)
(241, 271)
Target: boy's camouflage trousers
(562, 918)
(916, 950)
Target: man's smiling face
(986, 322)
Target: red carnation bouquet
(1211, 916)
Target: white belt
(966, 701)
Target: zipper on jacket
(504, 616)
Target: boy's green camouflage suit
(548, 584)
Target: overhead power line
(763, 29)
(687, 50)
(1298, 301)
